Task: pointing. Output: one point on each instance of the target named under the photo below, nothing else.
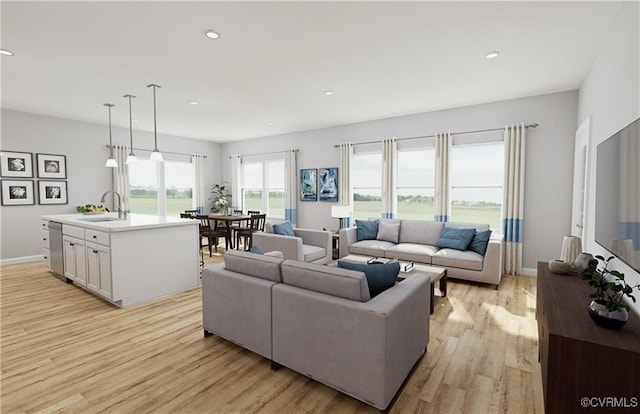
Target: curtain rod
(164, 152)
(266, 153)
(532, 125)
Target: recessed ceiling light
(492, 55)
(271, 123)
(211, 34)
(328, 93)
(6, 52)
(193, 102)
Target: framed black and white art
(17, 193)
(52, 192)
(16, 164)
(51, 166)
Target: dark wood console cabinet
(579, 358)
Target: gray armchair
(311, 246)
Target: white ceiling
(275, 60)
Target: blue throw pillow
(480, 242)
(284, 229)
(380, 277)
(256, 250)
(367, 229)
(455, 238)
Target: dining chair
(243, 225)
(191, 212)
(256, 224)
(210, 230)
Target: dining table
(229, 219)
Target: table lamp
(342, 212)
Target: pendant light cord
(130, 124)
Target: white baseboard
(529, 272)
(25, 259)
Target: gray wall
(549, 163)
(87, 177)
(610, 94)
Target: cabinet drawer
(44, 224)
(46, 257)
(45, 239)
(97, 237)
(73, 231)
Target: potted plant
(607, 307)
(221, 198)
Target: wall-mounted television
(618, 195)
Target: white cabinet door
(74, 260)
(99, 269)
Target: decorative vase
(612, 320)
(559, 267)
(571, 248)
(582, 262)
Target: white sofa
(417, 243)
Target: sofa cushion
(380, 277)
(313, 253)
(367, 229)
(480, 242)
(456, 238)
(460, 225)
(412, 252)
(252, 264)
(389, 231)
(256, 250)
(420, 231)
(347, 284)
(284, 229)
(370, 247)
(459, 259)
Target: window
(477, 172)
(178, 182)
(416, 181)
(262, 178)
(367, 185)
(143, 187)
(160, 188)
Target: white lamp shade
(132, 159)
(156, 156)
(340, 211)
(111, 163)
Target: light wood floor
(64, 350)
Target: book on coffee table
(406, 267)
(379, 260)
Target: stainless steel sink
(96, 219)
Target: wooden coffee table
(437, 274)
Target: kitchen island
(126, 261)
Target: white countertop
(132, 222)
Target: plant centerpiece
(607, 307)
(221, 198)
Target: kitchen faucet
(121, 213)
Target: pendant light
(111, 162)
(132, 157)
(156, 155)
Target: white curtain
(441, 199)
(513, 202)
(121, 176)
(389, 178)
(236, 181)
(290, 186)
(345, 177)
(199, 189)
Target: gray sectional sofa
(417, 243)
(320, 321)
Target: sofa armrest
(493, 260)
(319, 238)
(348, 236)
(365, 349)
(291, 247)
